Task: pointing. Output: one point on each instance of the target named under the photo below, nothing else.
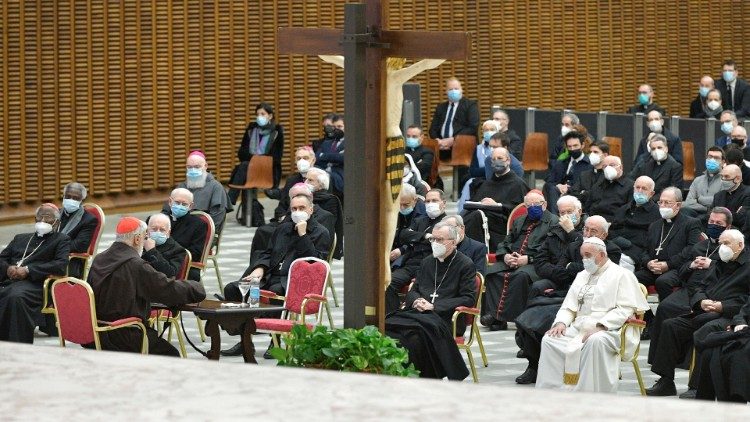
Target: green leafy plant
(350, 350)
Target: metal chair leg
(481, 345)
(218, 273)
(471, 364)
(330, 317)
(180, 339)
(639, 377)
(454, 193)
(329, 283)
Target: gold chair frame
(474, 332)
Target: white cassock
(608, 297)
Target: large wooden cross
(365, 44)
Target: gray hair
(660, 138)
(162, 216)
(731, 113)
(574, 120)
(323, 178)
(307, 199)
(494, 124)
(56, 211)
(736, 235)
(77, 186)
(408, 191)
(128, 237)
(456, 218)
(570, 199)
(675, 191)
(648, 180)
(600, 221)
(452, 230)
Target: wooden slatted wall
(115, 93)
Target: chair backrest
(518, 211)
(432, 144)
(217, 243)
(210, 230)
(615, 145)
(182, 274)
(688, 161)
(306, 276)
(96, 236)
(535, 152)
(329, 258)
(479, 289)
(463, 150)
(260, 172)
(75, 310)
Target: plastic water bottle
(254, 297)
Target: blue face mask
(179, 210)
(158, 237)
(487, 135)
(412, 142)
(714, 231)
(727, 127)
(454, 95)
(406, 211)
(573, 219)
(728, 75)
(703, 91)
(71, 205)
(640, 198)
(643, 99)
(535, 212)
(261, 120)
(193, 173)
(712, 165)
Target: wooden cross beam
(365, 45)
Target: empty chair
(259, 176)
(615, 145)
(461, 154)
(688, 165)
(535, 155)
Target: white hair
(735, 235)
(128, 237)
(408, 191)
(600, 221)
(182, 191)
(457, 218)
(452, 230)
(162, 216)
(570, 199)
(77, 186)
(649, 181)
(574, 120)
(493, 123)
(323, 178)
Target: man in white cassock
(581, 350)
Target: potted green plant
(346, 349)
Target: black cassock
(21, 300)
(428, 335)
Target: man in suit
(705, 85)
(330, 157)
(515, 143)
(422, 156)
(728, 121)
(612, 192)
(476, 251)
(660, 166)
(646, 102)
(655, 121)
(735, 92)
(733, 195)
(566, 173)
(581, 188)
(457, 116)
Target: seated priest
(125, 285)
(476, 251)
(581, 187)
(209, 195)
(558, 262)
(24, 265)
(694, 259)
(655, 122)
(319, 182)
(410, 207)
(614, 191)
(304, 158)
(509, 279)
(565, 173)
(660, 166)
(582, 349)
(704, 187)
(733, 155)
(422, 156)
(188, 230)
(733, 195)
(631, 221)
(159, 249)
(414, 246)
(496, 197)
(660, 261)
(725, 362)
(445, 281)
(722, 290)
(77, 224)
(297, 237)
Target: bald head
(644, 184)
(707, 81)
(533, 198)
(196, 161)
(500, 153)
(596, 226)
(182, 195)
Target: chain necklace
(663, 238)
(24, 256)
(437, 286)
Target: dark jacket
(80, 239)
(166, 258)
(331, 156)
(517, 232)
(664, 174)
(606, 197)
(684, 232)
(465, 119)
(423, 158)
(673, 143)
(476, 251)
(740, 97)
(581, 188)
(725, 282)
(631, 222)
(190, 232)
(276, 148)
(548, 262)
(51, 258)
(648, 108)
(558, 174)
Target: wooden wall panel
(115, 93)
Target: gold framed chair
(472, 314)
(212, 259)
(164, 315)
(86, 257)
(629, 352)
(200, 263)
(329, 280)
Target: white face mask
(666, 213)
(303, 166)
(438, 249)
(713, 105)
(595, 159)
(610, 173)
(300, 216)
(725, 253)
(655, 126)
(42, 228)
(310, 186)
(659, 154)
(565, 130)
(589, 264)
(433, 209)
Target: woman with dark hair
(263, 136)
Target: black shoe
(521, 354)
(499, 326)
(663, 387)
(689, 394)
(273, 193)
(235, 350)
(528, 376)
(645, 335)
(487, 320)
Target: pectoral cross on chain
(658, 250)
(433, 296)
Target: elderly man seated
(733, 195)
(319, 182)
(631, 221)
(24, 265)
(209, 195)
(159, 249)
(581, 350)
(445, 280)
(77, 224)
(660, 165)
(614, 191)
(125, 285)
(188, 230)
(410, 207)
(476, 251)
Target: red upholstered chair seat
(273, 324)
(165, 313)
(74, 315)
(460, 340)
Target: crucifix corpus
(373, 101)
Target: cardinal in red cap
(128, 225)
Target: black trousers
(507, 306)
(673, 306)
(400, 277)
(665, 283)
(531, 326)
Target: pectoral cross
(433, 296)
(365, 44)
(658, 250)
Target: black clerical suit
(476, 251)
(666, 240)
(630, 223)
(664, 173)
(607, 196)
(465, 121)
(581, 187)
(508, 190)
(330, 157)
(648, 108)
(428, 335)
(284, 199)
(414, 248)
(21, 300)
(79, 226)
(737, 201)
(696, 107)
(423, 158)
(725, 282)
(565, 174)
(674, 144)
(166, 258)
(507, 289)
(190, 232)
(740, 97)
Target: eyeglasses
(668, 203)
(536, 204)
(434, 239)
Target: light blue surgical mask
(261, 120)
(643, 98)
(179, 210)
(487, 135)
(712, 165)
(454, 95)
(727, 127)
(703, 91)
(573, 219)
(728, 75)
(193, 173)
(71, 205)
(158, 237)
(640, 198)
(406, 211)
(412, 142)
